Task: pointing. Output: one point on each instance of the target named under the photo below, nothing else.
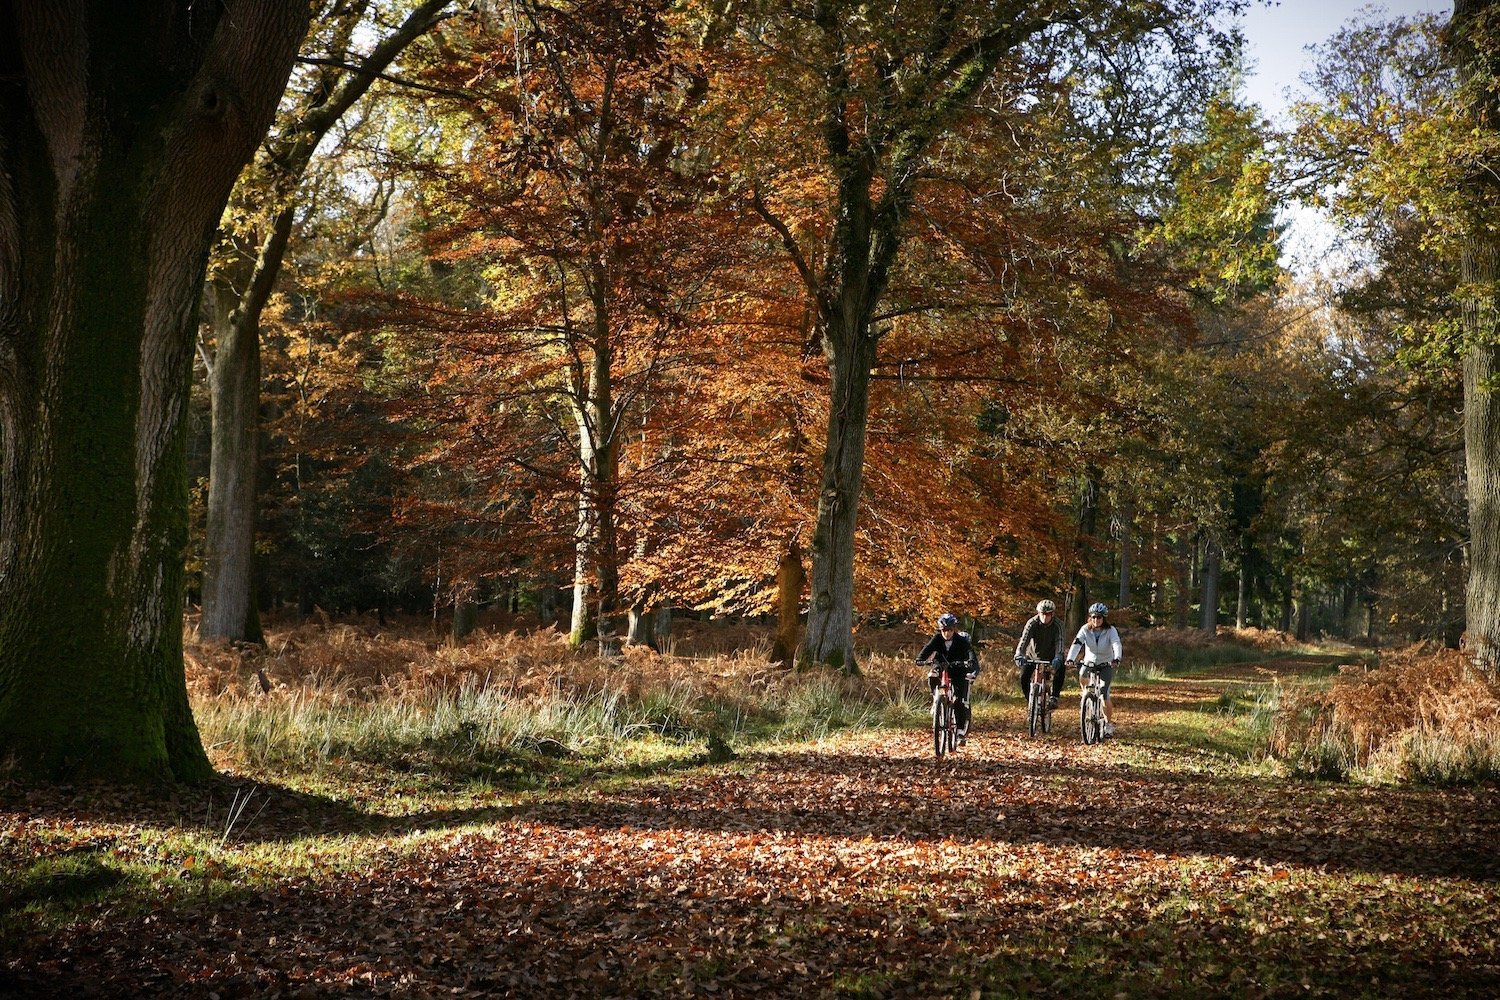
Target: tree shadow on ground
(973, 799)
(513, 925)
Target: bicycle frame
(1091, 705)
(1039, 697)
(944, 713)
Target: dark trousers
(960, 694)
(1058, 676)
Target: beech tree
(884, 87)
(1402, 148)
(122, 129)
(342, 64)
(565, 191)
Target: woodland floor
(1155, 864)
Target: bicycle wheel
(1088, 718)
(1035, 707)
(941, 713)
(950, 727)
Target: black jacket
(962, 650)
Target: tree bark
(1126, 516)
(122, 128)
(229, 610)
(1208, 619)
(830, 615)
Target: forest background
(546, 338)
(602, 313)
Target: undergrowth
(1415, 717)
(324, 698)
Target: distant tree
(122, 128)
(875, 93)
(346, 53)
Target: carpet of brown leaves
(850, 867)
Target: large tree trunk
(830, 614)
(122, 128)
(597, 567)
(229, 610)
(1126, 516)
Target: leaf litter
(852, 866)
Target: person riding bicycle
(1098, 649)
(953, 647)
(1043, 634)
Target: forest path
(1154, 864)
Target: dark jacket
(962, 650)
(1046, 638)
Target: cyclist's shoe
(1052, 702)
(963, 738)
(1109, 729)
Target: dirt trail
(856, 867)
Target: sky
(1277, 40)
(1278, 37)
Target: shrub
(1417, 716)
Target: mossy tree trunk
(1476, 40)
(122, 128)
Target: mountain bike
(1091, 706)
(944, 713)
(1039, 696)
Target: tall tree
(572, 193)
(1403, 147)
(887, 85)
(257, 233)
(122, 131)
(1476, 40)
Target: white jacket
(1099, 645)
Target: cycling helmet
(1098, 609)
(947, 620)
(1045, 607)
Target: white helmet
(1045, 607)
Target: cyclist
(1097, 647)
(1044, 635)
(951, 646)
